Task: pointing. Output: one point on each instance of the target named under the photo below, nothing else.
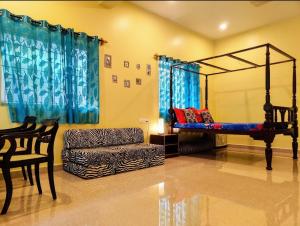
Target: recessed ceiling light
(223, 26)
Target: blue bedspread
(221, 126)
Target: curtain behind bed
(186, 86)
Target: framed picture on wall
(126, 64)
(148, 69)
(114, 78)
(127, 83)
(107, 61)
(138, 81)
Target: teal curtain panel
(49, 71)
(186, 86)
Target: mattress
(221, 126)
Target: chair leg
(295, 148)
(24, 173)
(30, 174)
(51, 179)
(37, 177)
(268, 155)
(9, 189)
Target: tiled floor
(231, 189)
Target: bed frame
(278, 119)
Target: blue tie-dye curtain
(186, 86)
(49, 71)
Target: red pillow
(180, 115)
(198, 113)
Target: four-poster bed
(278, 119)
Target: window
(186, 86)
(49, 73)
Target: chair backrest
(92, 138)
(29, 124)
(30, 121)
(47, 134)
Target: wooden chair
(29, 124)
(44, 134)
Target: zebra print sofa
(100, 152)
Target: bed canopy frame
(276, 121)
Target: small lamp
(161, 126)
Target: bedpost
(206, 92)
(171, 113)
(268, 108)
(295, 110)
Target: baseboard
(43, 169)
(260, 149)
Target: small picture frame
(138, 81)
(148, 69)
(127, 83)
(107, 61)
(114, 78)
(138, 66)
(126, 64)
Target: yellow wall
(136, 35)
(239, 97)
(133, 35)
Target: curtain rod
(101, 40)
(157, 56)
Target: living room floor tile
(229, 188)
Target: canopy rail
(250, 65)
(267, 45)
(233, 56)
(227, 70)
(243, 60)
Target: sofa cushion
(92, 138)
(103, 161)
(112, 155)
(88, 172)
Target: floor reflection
(190, 202)
(287, 207)
(228, 189)
(182, 213)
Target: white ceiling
(204, 17)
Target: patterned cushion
(92, 138)
(207, 118)
(198, 113)
(189, 115)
